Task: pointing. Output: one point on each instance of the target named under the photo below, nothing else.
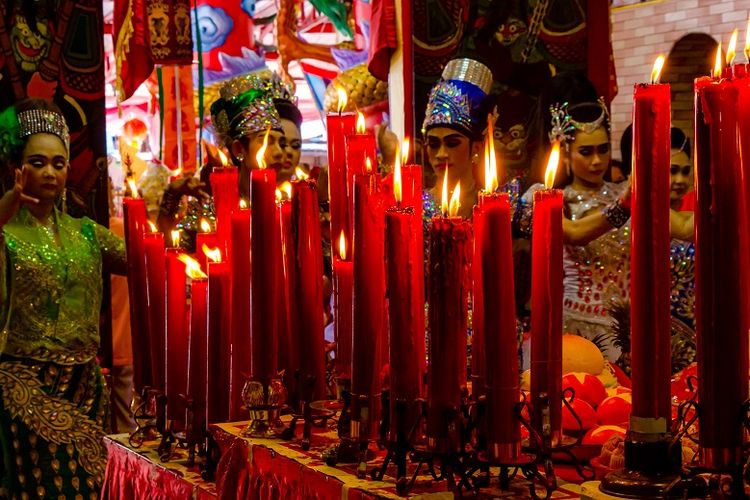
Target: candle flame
(176, 172)
(214, 254)
(361, 123)
(153, 227)
(732, 47)
(175, 238)
(223, 158)
(261, 154)
(444, 197)
(717, 62)
(286, 187)
(243, 203)
(747, 40)
(368, 165)
(278, 195)
(455, 202)
(656, 70)
(490, 160)
(342, 100)
(552, 164)
(192, 267)
(405, 144)
(300, 174)
(133, 189)
(205, 225)
(342, 246)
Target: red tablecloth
(139, 474)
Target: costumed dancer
(54, 397)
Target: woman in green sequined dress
(53, 398)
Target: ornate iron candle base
(149, 416)
(264, 405)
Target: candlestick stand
(264, 403)
(303, 410)
(149, 416)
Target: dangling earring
(240, 157)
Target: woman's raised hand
(11, 201)
(189, 186)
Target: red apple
(584, 411)
(587, 387)
(615, 410)
(600, 434)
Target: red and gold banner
(178, 108)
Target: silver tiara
(37, 121)
(564, 126)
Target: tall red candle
(498, 324)
(742, 83)
(339, 126)
(291, 357)
(206, 236)
(134, 214)
(196, 379)
(722, 344)
(308, 299)
(225, 192)
(153, 246)
(263, 297)
(285, 346)
(450, 239)
(240, 337)
(218, 340)
(369, 295)
(650, 316)
(343, 288)
(546, 305)
(177, 333)
(478, 367)
(359, 146)
(406, 315)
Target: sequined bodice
(51, 293)
(598, 272)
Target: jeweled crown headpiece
(245, 107)
(455, 101)
(36, 121)
(281, 89)
(564, 125)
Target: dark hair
(288, 111)
(571, 87)
(679, 140)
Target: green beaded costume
(53, 398)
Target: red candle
(359, 147)
(499, 326)
(650, 282)
(406, 315)
(263, 296)
(153, 246)
(206, 236)
(478, 368)
(742, 83)
(343, 288)
(291, 354)
(285, 346)
(339, 125)
(177, 333)
(546, 302)
(196, 379)
(134, 214)
(450, 237)
(240, 339)
(722, 345)
(217, 338)
(308, 298)
(226, 197)
(369, 295)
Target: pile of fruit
(602, 398)
(362, 89)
